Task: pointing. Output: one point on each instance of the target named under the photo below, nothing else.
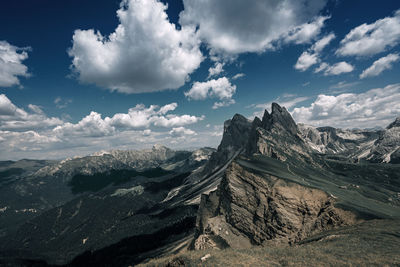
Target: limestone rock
(234, 139)
(387, 145)
(278, 136)
(253, 209)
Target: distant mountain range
(270, 181)
(370, 145)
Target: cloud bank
(234, 26)
(13, 118)
(376, 107)
(31, 133)
(371, 39)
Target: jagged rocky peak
(257, 122)
(396, 123)
(158, 147)
(277, 135)
(235, 132)
(279, 117)
(237, 123)
(240, 132)
(387, 147)
(234, 139)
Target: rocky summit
(271, 183)
(280, 190)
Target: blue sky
(82, 76)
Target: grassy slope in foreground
(371, 243)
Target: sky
(78, 77)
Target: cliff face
(387, 147)
(328, 140)
(376, 146)
(234, 140)
(255, 209)
(277, 136)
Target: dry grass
(373, 243)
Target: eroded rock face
(350, 143)
(279, 118)
(278, 136)
(385, 148)
(253, 209)
(234, 140)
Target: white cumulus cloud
(384, 63)
(92, 125)
(181, 131)
(370, 39)
(220, 88)
(217, 69)
(306, 32)
(323, 42)
(376, 107)
(138, 117)
(306, 60)
(311, 56)
(145, 53)
(11, 67)
(224, 103)
(335, 69)
(235, 26)
(17, 119)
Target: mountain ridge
(269, 182)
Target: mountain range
(269, 182)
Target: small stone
(203, 259)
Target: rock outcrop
(234, 140)
(277, 136)
(253, 209)
(333, 141)
(396, 123)
(386, 147)
(377, 146)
